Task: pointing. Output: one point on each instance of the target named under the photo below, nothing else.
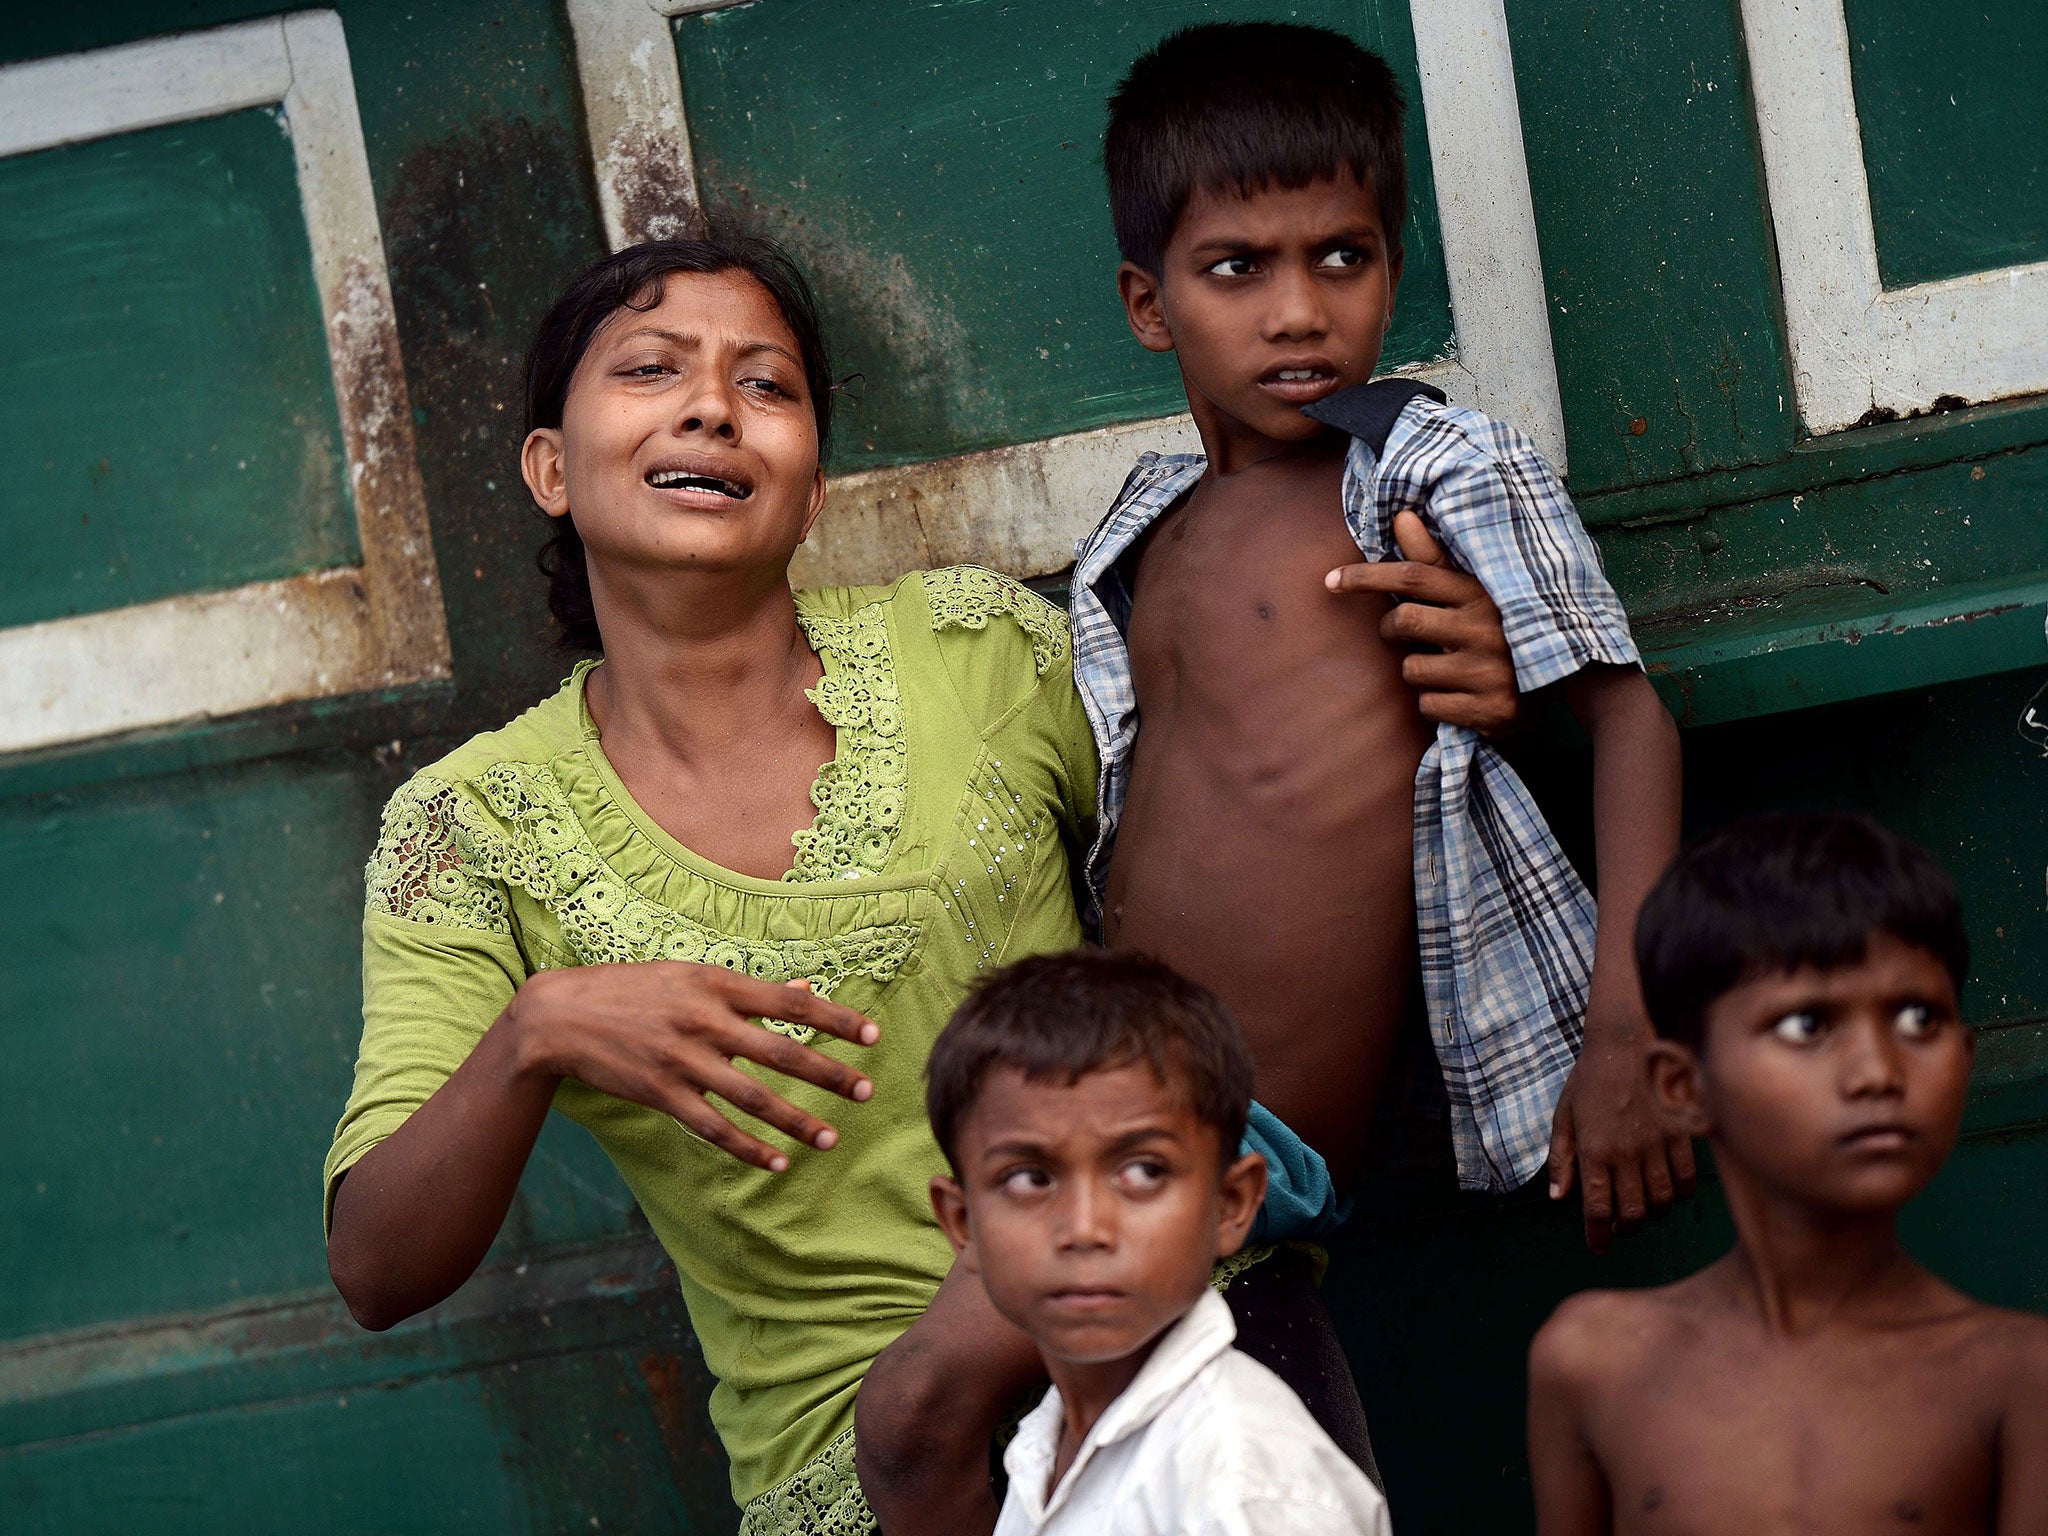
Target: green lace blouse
(965, 770)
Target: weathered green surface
(939, 168)
(1952, 100)
(1650, 213)
(184, 986)
(145, 1012)
(171, 423)
(1731, 667)
(550, 1393)
(170, 1357)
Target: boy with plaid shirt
(1260, 833)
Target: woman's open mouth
(698, 481)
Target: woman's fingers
(799, 1005)
(779, 1053)
(694, 1112)
(752, 1097)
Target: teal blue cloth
(1300, 1199)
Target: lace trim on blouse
(859, 794)
(441, 860)
(1227, 1270)
(967, 597)
(822, 1499)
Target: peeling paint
(1017, 510)
(339, 631)
(647, 188)
(639, 137)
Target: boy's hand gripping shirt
(1504, 926)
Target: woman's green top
(965, 769)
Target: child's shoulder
(1431, 425)
(2004, 1344)
(1241, 1420)
(1599, 1337)
(1234, 1449)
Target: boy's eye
(1915, 1020)
(1797, 1028)
(1234, 266)
(1344, 256)
(1142, 1176)
(1026, 1181)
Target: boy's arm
(1572, 1496)
(1628, 1164)
(929, 1407)
(2023, 1440)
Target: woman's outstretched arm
(416, 1213)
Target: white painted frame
(1855, 343)
(347, 630)
(1020, 508)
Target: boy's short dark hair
(1238, 106)
(1775, 893)
(1061, 1016)
(632, 279)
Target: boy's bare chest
(1856, 1441)
(1230, 604)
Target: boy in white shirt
(1090, 1105)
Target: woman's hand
(1458, 661)
(416, 1214)
(665, 1034)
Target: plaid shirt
(1504, 926)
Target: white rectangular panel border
(1500, 310)
(1020, 508)
(1857, 345)
(377, 625)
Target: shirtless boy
(1278, 822)
(1802, 973)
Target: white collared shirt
(1205, 1441)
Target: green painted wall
(1950, 102)
(171, 423)
(939, 170)
(180, 995)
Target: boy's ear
(1393, 288)
(1242, 1194)
(540, 462)
(1144, 307)
(1675, 1088)
(950, 1206)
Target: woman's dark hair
(633, 279)
(1058, 1017)
(1238, 106)
(1777, 893)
